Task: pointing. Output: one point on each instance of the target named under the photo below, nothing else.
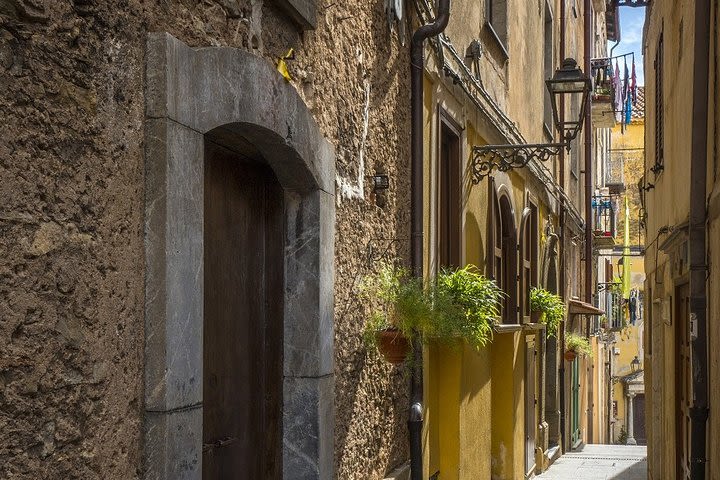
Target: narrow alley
(360, 239)
(600, 462)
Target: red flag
(633, 87)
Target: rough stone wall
(71, 215)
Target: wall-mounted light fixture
(635, 364)
(381, 181)
(568, 80)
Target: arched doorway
(239, 246)
(243, 313)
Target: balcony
(604, 219)
(603, 110)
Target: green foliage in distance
(551, 307)
(578, 344)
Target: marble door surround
(239, 97)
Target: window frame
(501, 35)
(528, 248)
(502, 261)
(449, 209)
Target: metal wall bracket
(487, 158)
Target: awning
(576, 307)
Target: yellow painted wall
(475, 400)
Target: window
(502, 254)
(497, 20)
(449, 190)
(303, 12)
(529, 256)
(548, 68)
(659, 113)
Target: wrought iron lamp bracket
(487, 158)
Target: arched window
(528, 256)
(502, 258)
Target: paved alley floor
(600, 462)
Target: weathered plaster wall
(71, 163)
(668, 205)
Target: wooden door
(639, 419)
(575, 403)
(530, 403)
(243, 311)
(683, 388)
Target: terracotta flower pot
(393, 346)
(570, 355)
(535, 316)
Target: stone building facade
(681, 302)
(114, 113)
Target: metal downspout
(697, 241)
(588, 188)
(588, 159)
(415, 420)
(563, 277)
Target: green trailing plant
(622, 436)
(550, 306)
(578, 344)
(402, 303)
(460, 304)
(465, 306)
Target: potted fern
(576, 345)
(460, 305)
(465, 307)
(547, 308)
(405, 306)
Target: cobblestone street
(600, 462)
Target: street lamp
(635, 364)
(568, 81)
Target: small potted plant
(547, 308)
(404, 307)
(465, 307)
(576, 345)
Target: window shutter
(659, 112)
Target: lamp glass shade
(569, 80)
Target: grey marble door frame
(238, 97)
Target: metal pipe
(588, 158)
(697, 243)
(563, 278)
(415, 420)
(587, 17)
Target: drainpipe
(588, 189)
(415, 420)
(588, 159)
(563, 278)
(696, 241)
